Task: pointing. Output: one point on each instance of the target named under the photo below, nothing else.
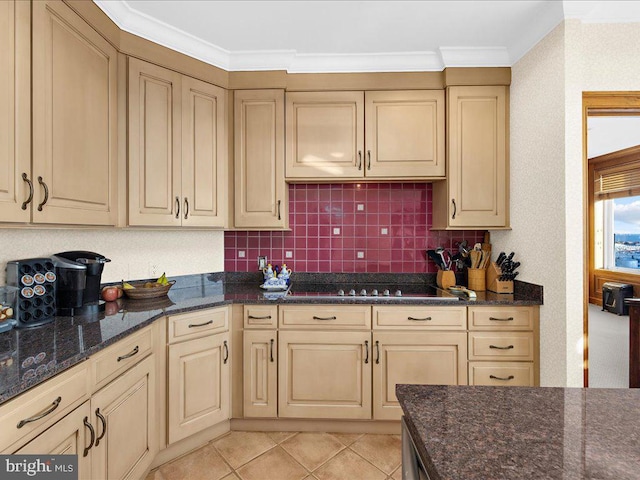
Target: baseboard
(299, 425)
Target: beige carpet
(608, 349)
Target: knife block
(445, 279)
(493, 282)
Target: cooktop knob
(363, 292)
(398, 293)
(341, 293)
(386, 293)
(374, 292)
(352, 292)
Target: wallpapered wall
(349, 228)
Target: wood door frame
(597, 104)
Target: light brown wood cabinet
(124, 418)
(260, 373)
(357, 135)
(15, 110)
(504, 346)
(324, 374)
(476, 192)
(177, 149)
(261, 196)
(198, 375)
(433, 358)
(68, 436)
(68, 175)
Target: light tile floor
(289, 456)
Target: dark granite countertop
(70, 340)
(485, 433)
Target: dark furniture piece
(634, 342)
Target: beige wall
(130, 251)
(537, 192)
(547, 199)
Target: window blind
(617, 181)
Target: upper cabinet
(261, 195)
(15, 110)
(177, 149)
(355, 135)
(58, 165)
(476, 192)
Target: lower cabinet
(198, 385)
(433, 358)
(123, 417)
(68, 436)
(324, 374)
(260, 375)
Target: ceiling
(355, 36)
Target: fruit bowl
(140, 291)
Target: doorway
(611, 153)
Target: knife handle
(501, 258)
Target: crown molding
(140, 24)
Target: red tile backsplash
(403, 209)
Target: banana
(163, 280)
(127, 286)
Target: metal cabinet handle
(193, 325)
(509, 347)
(510, 377)
(265, 317)
(271, 350)
(425, 319)
(104, 426)
(93, 436)
(455, 209)
(46, 193)
(368, 159)
(377, 352)
(226, 351)
(130, 354)
(186, 207)
(279, 202)
(25, 177)
(501, 319)
(324, 318)
(366, 349)
(359, 160)
(177, 207)
(42, 414)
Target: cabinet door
(15, 107)
(204, 154)
(198, 385)
(155, 175)
(261, 196)
(126, 440)
(411, 357)
(325, 135)
(68, 436)
(324, 375)
(260, 373)
(74, 119)
(478, 192)
(405, 134)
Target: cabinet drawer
(118, 358)
(58, 396)
(197, 324)
(325, 316)
(503, 318)
(259, 316)
(504, 374)
(422, 318)
(501, 345)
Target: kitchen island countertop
(69, 340)
(490, 433)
